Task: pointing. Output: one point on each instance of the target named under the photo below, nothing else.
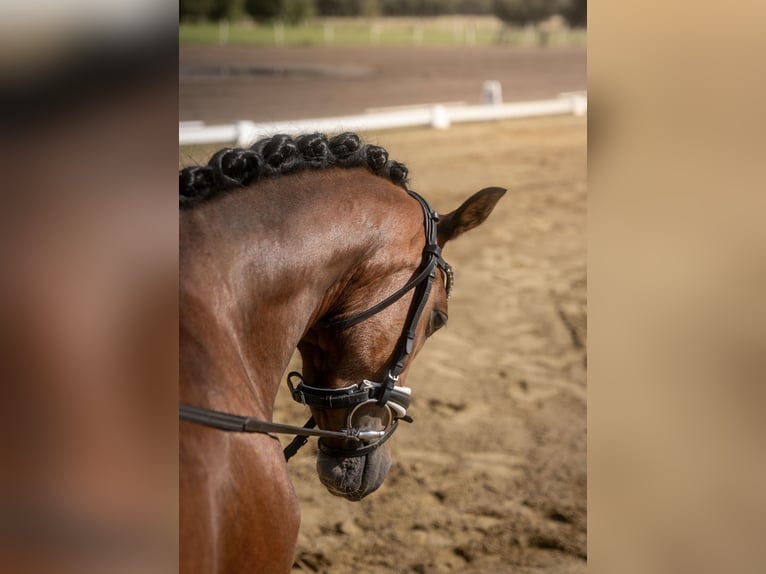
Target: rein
(238, 423)
(384, 394)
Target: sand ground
(492, 476)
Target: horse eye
(437, 321)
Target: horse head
(357, 357)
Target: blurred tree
(434, 7)
(339, 7)
(297, 11)
(535, 13)
(528, 11)
(370, 8)
(393, 7)
(302, 9)
(263, 9)
(227, 9)
(195, 9)
(417, 7)
(473, 7)
(577, 13)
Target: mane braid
(234, 168)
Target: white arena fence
(438, 116)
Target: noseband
(384, 394)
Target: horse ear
(471, 214)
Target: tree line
(294, 11)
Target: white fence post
(279, 32)
(580, 105)
(223, 31)
(329, 33)
(457, 33)
(470, 37)
(439, 118)
(491, 93)
(246, 132)
(417, 35)
(375, 33)
(578, 101)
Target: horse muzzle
(355, 468)
(353, 477)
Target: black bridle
(384, 393)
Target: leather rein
(385, 393)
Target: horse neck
(260, 266)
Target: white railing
(437, 116)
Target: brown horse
(308, 243)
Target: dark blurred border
(88, 294)
(677, 284)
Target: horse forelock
(281, 154)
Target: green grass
(362, 34)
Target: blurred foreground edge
(88, 304)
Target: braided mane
(232, 168)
